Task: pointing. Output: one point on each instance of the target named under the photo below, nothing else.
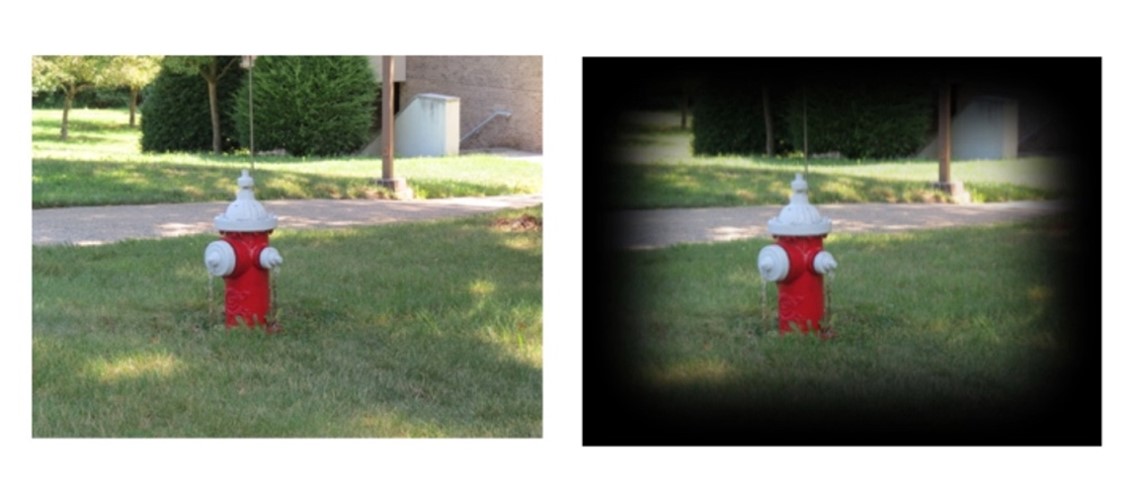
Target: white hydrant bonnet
(245, 214)
(799, 218)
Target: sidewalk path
(643, 229)
(99, 225)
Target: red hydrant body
(247, 291)
(801, 292)
(798, 263)
(244, 258)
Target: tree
(177, 113)
(70, 74)
(210, 68)
(134, 72)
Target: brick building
(501, 96)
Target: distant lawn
(960, 324)
(655, 169)
(101, 164)
(410, 330)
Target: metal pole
(251, 137)
(387, 118)
(805, 133)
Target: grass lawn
(101, 164)
(412, 330)
(949, 323)
(654, 168)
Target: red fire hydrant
(244, 258)
(798, 262)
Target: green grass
(962, 318)
(655, 169)
(413, 330)
(101, 164)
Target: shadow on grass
(64, 182)
(423, 330)
(645, 186)
(80, 133)
(79, 182)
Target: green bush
(176, 112)
(856, 119)
(729, 119)
(309, 105)
(861, 119)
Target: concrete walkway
(100, 225)
(640, 228)
(644, 229)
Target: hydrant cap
(245, 214)
(799, 218)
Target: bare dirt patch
(525, 222)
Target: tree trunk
(133, 104)
(768, 121)
(214, 115)
(70, 95)
(685, 107)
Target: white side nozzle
(772, 262)
(824, 263)
(220, 259)
(270, 258)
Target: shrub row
(855, 119)
(97, 98)
(306, 105)
(176, 116)
(729, 119)
(309, 105)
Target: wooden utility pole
(956, 189)
(387, 119)
(944, 133)
(396, 185)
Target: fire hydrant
(244, 258)
(798, 262)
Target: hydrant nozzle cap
(799, 218)
(245, 214)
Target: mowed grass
(412, 330)
(101, 164)
(655, 168)
(962, 319)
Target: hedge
(729, 119)
(176, 113)
(309, 105)
(861, 119)
(856, 119)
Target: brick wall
(486, 84)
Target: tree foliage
(69, 74)
(134, 73)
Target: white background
(561, 32)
